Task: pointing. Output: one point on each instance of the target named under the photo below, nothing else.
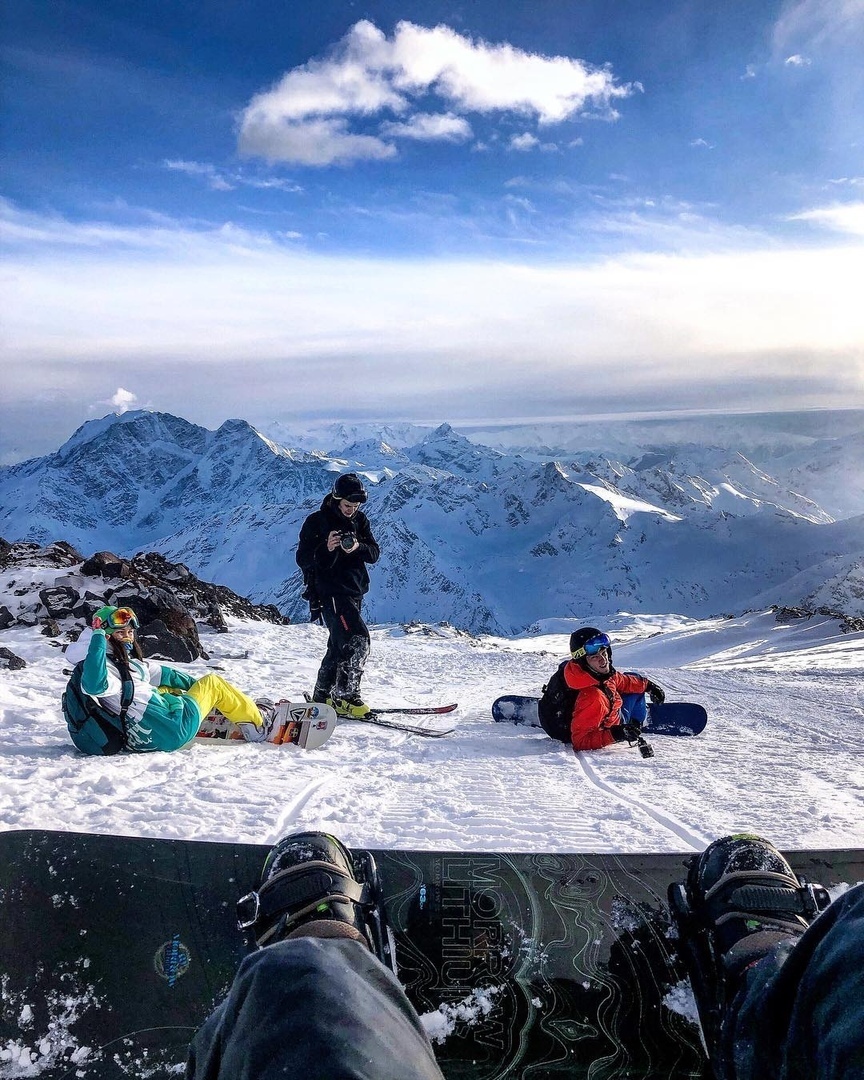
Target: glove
(625, 732)
(655, 692)
(101, 617)
(315, 611)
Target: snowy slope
(782, 754)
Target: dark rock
(6, 618)
(160, 643)
(51, 628)
(10, 661)
(59, 601)
(24, 553)
(791, 614)
(105, 564)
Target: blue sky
(434, 211)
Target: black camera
(347, 541)
(645, 748)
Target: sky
(438, 211)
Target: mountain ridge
(486, 539)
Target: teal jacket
(157, 719)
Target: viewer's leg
(805, 1017)
(314, 1009)
(315, 1002)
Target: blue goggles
(593, 646)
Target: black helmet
(588, 636)
(349, 486)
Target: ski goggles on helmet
(593, 646)
(123, 618)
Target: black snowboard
(113, 950)
(672, 718)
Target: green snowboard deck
(114, 949)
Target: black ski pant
(313, 1009)
(347, 648)
(800, 1013)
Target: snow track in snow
(695, 840)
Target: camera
(347, 540)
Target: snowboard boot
(352, 706)
(740, 900)
(312, 885)
(250, 732)
(321, 694)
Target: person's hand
(334, 540)
(101, 617)
(625, 732)
(655, 692)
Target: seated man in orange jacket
(609, 705)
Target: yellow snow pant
(213, 692)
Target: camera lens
(347, 540)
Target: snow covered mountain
(483, 537)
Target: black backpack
(555, 707)
(94, 729)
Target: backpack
(94, 729)
(555, 707)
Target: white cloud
(228, 180)
(123, 400)
(525, 141)
(304, 117)
(312, 142)
(796, 60)
(703, 143)
(430, 127)
(844, 217)
(815, 24)
(235, 320)
(750, 72)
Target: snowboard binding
(310, 876)
(741, 898)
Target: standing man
(335, 545)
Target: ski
(417, 710)
(374, 717)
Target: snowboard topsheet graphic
(113, 950)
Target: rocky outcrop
(168, 599)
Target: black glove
(312, 599)
(625, 732)
(655, 692)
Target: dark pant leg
(313, 1009)
(348, 646)
(803, 1019)
(325, 681)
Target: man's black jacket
(335, 573)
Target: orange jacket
(598, 704)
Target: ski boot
(312, 877)
(321, 694)
(741, 899)
(352, 706)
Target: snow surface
(782, 754)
